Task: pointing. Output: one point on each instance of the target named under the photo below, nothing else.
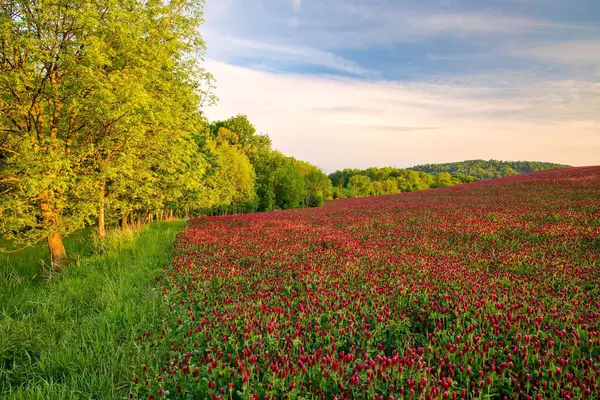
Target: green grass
(26, 267)
(74, 335)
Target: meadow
(473, 289)
(487, 290)
(483, 290)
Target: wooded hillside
(482, 169)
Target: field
(484, 290)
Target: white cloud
(487, 23)
(237, 28)
(335, 122)
(228, 46)
(475, 23)
(571, 52)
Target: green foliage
(279, 182)
(386, 180)
(390, 180)
(360, 186)
(390, 186)
(99, 123)
(98, 108)
(342, 177)
(239, 131)
(317, 186)
(232, 185)
(288, 184)
(482, 169)
(45, 96)
(442, 179)
(316, 201)
(280, 185)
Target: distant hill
(482, 169)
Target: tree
(148, 109)
(279, 182)
(265, 166)
(49, 66)
(360, 186)
(234, 180)
(240, 132)
(317, 185)
(96, 99)
(390, 186)
(338, 192)
(288, 184)
(443, 179)
(377, 188)
(343, 177)
(386, 180)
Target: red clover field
(483, 290)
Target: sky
(360, 83)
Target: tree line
(248, 175)
(373, 181)
(352, 182)
(101, 124)
(490, 169)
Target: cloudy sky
(358, 83)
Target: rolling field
(484, 290)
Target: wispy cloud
(491, 23)
(297, 4)
(347, 110)
(399, 129)
(232, 47)
(486, 23)
(571, 52)
(393, 123)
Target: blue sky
(360, 83)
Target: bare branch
(10, 180)
(10, 151)
(22, 248)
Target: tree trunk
(124, 220)
(101, 229)
(50, 215)
(58, 254)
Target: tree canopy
(390, 180)
(482, 169)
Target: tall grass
(73, 335)
(27, 268)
